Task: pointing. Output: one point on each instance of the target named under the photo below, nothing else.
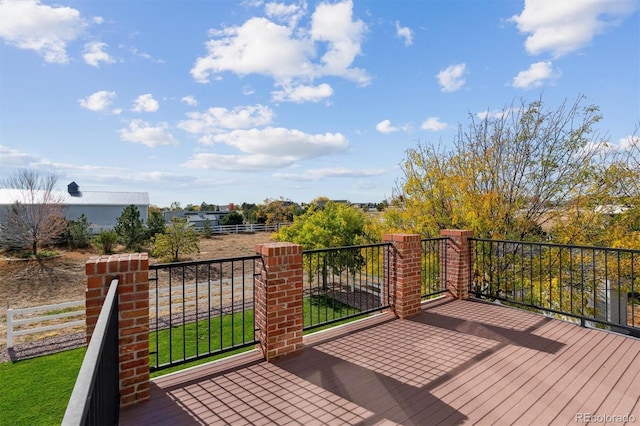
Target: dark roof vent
(74, 189)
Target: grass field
(36, 391)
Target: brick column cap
(456, 233)
(278, 249)
(401, 237)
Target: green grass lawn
(36, 391)
(216, 334)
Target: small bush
(233, 218)
(207, 229)
(79, 233)
(106, 240)
(42, 254)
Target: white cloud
(287, 53)
(302, 94)
(626, 144)
(561, 27)
(145, 103)
(13, 158)
(27, 24)
(434, 124)
(452, 77)
(237, 163)
(216, 120)
(287, 13)
(278, 141)
(404, 33)
(142, 132)
(99, 20)
(385, 127)
(247, 90)
(189, 100)
(94, 54)
(629, 142)
(99, 101)
(258, 46)
(269, 148)
(134, 51)
(325, 173)
(334, 24)
(535, 76)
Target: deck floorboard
(457, 362)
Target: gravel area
(41, 347)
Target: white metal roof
(10, 196)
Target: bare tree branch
(36, 217)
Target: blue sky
(222, 101)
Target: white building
(101, 208)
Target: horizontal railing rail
(344, 283)
(434, 267)
(596, 286)
(41, 319)
(200, 309)
(95, 398)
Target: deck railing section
(201, 308)
(95, 398)
(434, 271)
(343, 283)
(596, 286)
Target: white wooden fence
(18, 318)
(173, 300)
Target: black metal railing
(434, 267)
(596, 286)
(199, 309)
(344, 282)
(95, 399)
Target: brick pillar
(456, 261)
(405, 274)
(278, 304)
(132, 271)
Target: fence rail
(200, 308)
(343, 283)
(18, 319)
(245, 227)
(95, 398)
(593, 285)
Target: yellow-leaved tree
(516, 175)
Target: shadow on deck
(455, 362)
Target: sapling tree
(178, 238)
(130, 228)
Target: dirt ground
(25, 284)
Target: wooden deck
(456, 362)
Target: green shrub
(130, 229)
(155, 223)
(106, 240)
(79, 233)
(232, 218)
(207, 229)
